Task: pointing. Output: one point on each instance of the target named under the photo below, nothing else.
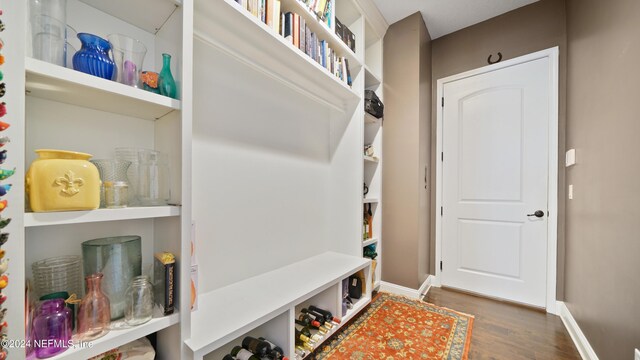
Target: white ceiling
(446, 16)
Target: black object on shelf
(372, 104)
(355, 287)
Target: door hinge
(440, 265)
(441, 211)
(443, 101)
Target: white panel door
(495, 178)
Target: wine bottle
(300, 351)
(306, 332)
(228, 357)
(318, 317)
(276, 352)
(327, 315)
(302, 337)
(304, 345)
(258, 347)
(243, 354)
(309, 321)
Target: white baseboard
(405, 291)
(581, 342)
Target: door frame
(552, 225)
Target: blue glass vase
(166, 83)
(93, 58)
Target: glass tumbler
(119, 259)
(128, 54)
(111, 170)
(49, 42)
(139, 301)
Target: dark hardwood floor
(508, 332)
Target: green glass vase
(166, 83)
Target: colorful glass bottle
(52, 328)
(166, 83)
(94, 314)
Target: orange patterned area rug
(395, 327)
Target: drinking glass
(128, 54)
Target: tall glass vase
(94, 313)
(166, 83)
(119, 258)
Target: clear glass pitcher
(149, 176)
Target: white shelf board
(57, 83)
(321, 29)
(371, 159)
(118, 337)
(370, 201)
(370, 119)
(225, 25)
(149, 15)
(357, 307)
(79, 217)
(369, 242)
(370, 79)
(240, 307)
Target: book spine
(288, 26)
(169, 282)
(296, 30)
(301, 34)
(276, 15)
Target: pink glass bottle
(94, 314)
(52, 328)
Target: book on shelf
(302, 34)
(164, 282)
(296, 30)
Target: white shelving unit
(265, 148)
(236, 313)
(372, 135)
(60, 108)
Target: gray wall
(603, 220)
(538, 26)
(406, 143)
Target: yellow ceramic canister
(61, 180)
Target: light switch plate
(571, 197)
(637, 354)
(570, 158)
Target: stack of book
(322, 8)
(293, 28)
(268, 11)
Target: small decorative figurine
(4, 140)
(3, 109)
(3, 298)
(4, 237)
(4, 173)
(4, 189)
(3, 89)
(3, 156)
(3, 204)
(4, 222)
(4, 281)
(4, 265)
(150, 81)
